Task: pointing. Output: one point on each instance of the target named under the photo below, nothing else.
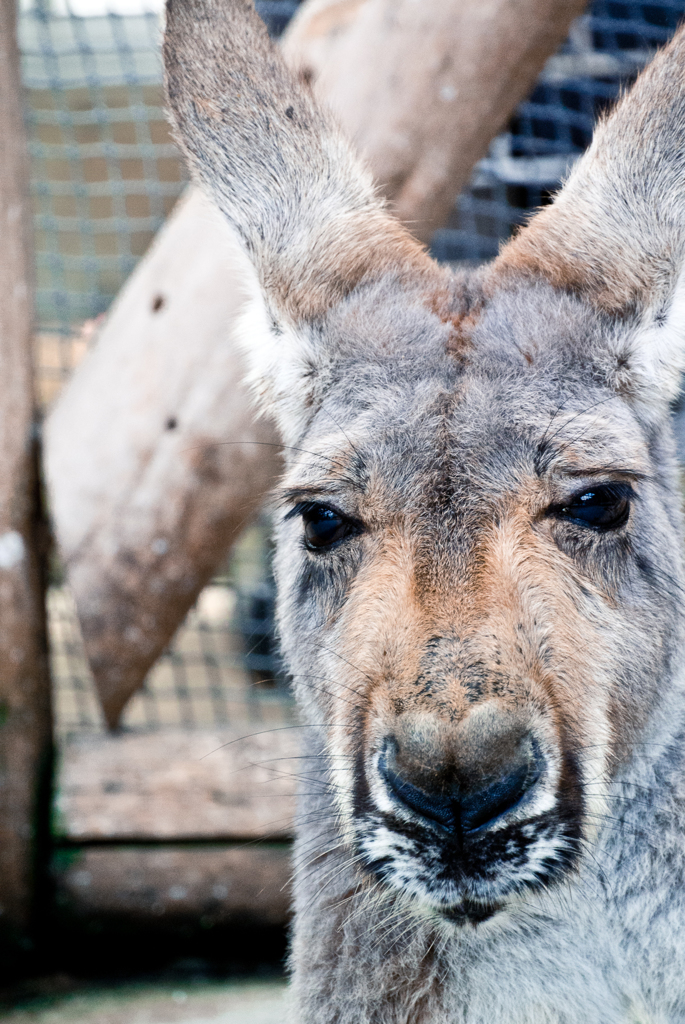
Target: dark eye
(603, 508)
(324, 527)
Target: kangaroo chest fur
(478, 557)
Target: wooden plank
(25, 725)
(170, 884)
(179, 785)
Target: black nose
(456, 804)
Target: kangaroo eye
(603, 508)
(324, 527)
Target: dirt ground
(219, 1003)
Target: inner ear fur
(302, 204)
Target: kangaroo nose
(460, 797)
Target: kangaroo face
(472, 598)
(478, 553)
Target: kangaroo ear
(276, 165)
(615, 234)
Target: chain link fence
(105, 174)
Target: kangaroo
(478, 557)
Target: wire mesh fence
(200, 682)
(105, 174)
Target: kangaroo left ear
(615, 234)
(300, 201)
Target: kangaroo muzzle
(462, 781)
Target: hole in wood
(157, 303)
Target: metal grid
(200, 682)
(105, 175)
(105, 172)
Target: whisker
(268, 732)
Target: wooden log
(154, 459)
(170, 885)
(179, 785)
(210, 814)
(423, 88)
(316, 32)
(144, 512)
(25, 724)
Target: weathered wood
(25, 726)
(423, 88)
(175, 785)
(154, 459)
(213, 885)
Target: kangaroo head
(478, 552)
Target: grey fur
(452, 421)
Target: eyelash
(324, 526)
(602, 509)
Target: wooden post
(25, 721)
(423, 88)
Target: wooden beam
(155, 460)
(25, 723)
(171, 885)
(423, 88)
(179, 785)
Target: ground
(246, 1002)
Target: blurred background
(134, 890)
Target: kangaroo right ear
(615, 234)
(291, 186)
